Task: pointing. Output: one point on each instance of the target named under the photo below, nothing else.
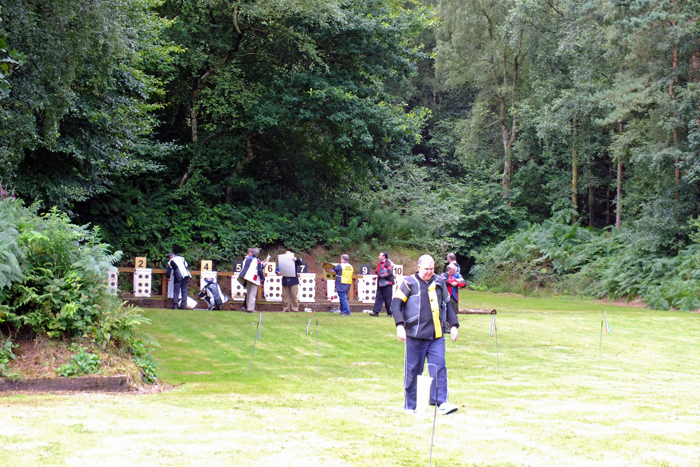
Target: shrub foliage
(53, 280)
(557, 257)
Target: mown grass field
(547, 404)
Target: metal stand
(432, 437)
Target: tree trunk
(607, 197)
(618, 214)
(509, 135)
(508, 139)
(198, 91)
(574, 181)
(677, 160)
(249, 156)
(591, 205)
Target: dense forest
(552, 144)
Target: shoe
(389, 315)
(374, 314)
(409, 411)
(447, 408)
(335, 311)
(344, 314)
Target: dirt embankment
(38, 360)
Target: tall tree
(78, 111)
(291, 87)
(489, 44)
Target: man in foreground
(423, 314)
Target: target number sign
(140, 262)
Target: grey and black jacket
(411, 307)
(385, 273)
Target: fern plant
(11, 255)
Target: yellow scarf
(435, 308)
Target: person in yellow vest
(343, 280)
(423, 315)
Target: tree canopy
(440, 125)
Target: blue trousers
(180, 287)
(417, 350)
(344, 305)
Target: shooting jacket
(422, 317)
(177, 265)
(385, 273)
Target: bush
(82, 363)
(6, 355)
(54, 280)
(556, 257)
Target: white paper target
(273, 288)
(142, 282)
(306, 292)
(112, 280)
(237, 290)
(367, 288)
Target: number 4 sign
(206, 266)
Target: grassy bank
(548, 403)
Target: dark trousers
(416, 352)
(383, 297)
(180, 287)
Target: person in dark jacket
(385, 285)
(452, 259)
(290, 287)
(423, 314)
(454, 281)
(177, 268)
(212, 294)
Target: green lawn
(549, 405)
